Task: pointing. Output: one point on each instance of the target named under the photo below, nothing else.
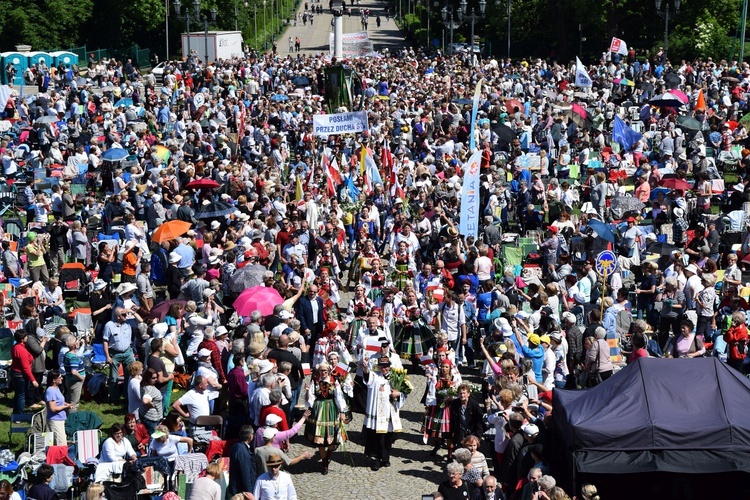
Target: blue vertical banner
(469, 222)
(474, 109)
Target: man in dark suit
(309, 310)
(242, 473)
(490, 490)
(466, 416)
(296, 376)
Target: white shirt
(113, 452)
(134, 396)
(196, 403)
(279, 488)
(453, 318)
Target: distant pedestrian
(291, 44)
(297, 43)
(377, 21)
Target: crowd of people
(227, 151)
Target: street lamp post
(473, 17)
(509, 29)
(447, 15)
(186, 16)
(196, 13)
(264, 24)
(255, 26)
(206, 19)
(664, 14)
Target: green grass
(109, 413)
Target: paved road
(315, 37)
(412, 473)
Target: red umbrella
(512, 104)
(257, 298)
(204, 183)
(674, 183)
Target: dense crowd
(153, 209)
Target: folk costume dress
(374, 281)
(437, 421)
(413, 335)
(325, 399)
(403, 268)
(328, 291)
(356, 314)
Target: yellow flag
(298, 193)
(363, 153)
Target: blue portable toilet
(19, 61)
(37, 57)
(65, 57)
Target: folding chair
(39, 442)
(87, 444)
(19, 423)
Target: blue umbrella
(602, 229)
(280, 98)
(115, 154)
(301, 81)
(124, 102)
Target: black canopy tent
(680, 416)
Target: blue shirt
(187, 256)
(54, 394)
(119, 337)
(536, 355)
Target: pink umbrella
(512, 104)
(579, 110)
(680, 95)
(257, 298)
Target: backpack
(158, 272)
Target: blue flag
(624, 135)
(469, 221)
(353, 191)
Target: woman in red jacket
(137, 434)
(736, 339)
(20, 369)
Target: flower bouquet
(450, 393)
(400, 381)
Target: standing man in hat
(274, 484)
(382, 418)
(118, 338)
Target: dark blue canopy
(659, 415)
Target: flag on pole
(298, 193)
(362, 153)
(333, 171)
(4, 96)
(341, 369)
(624, 135)
(372, 175)
(474, 109)
(469, 221)
(387, 158)
(582, 77)
(700, 103)
(353, 190)
(618, 46)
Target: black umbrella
(689, 123)
(672, 80)
(661, 248)
(504, 133)
(214, 210)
